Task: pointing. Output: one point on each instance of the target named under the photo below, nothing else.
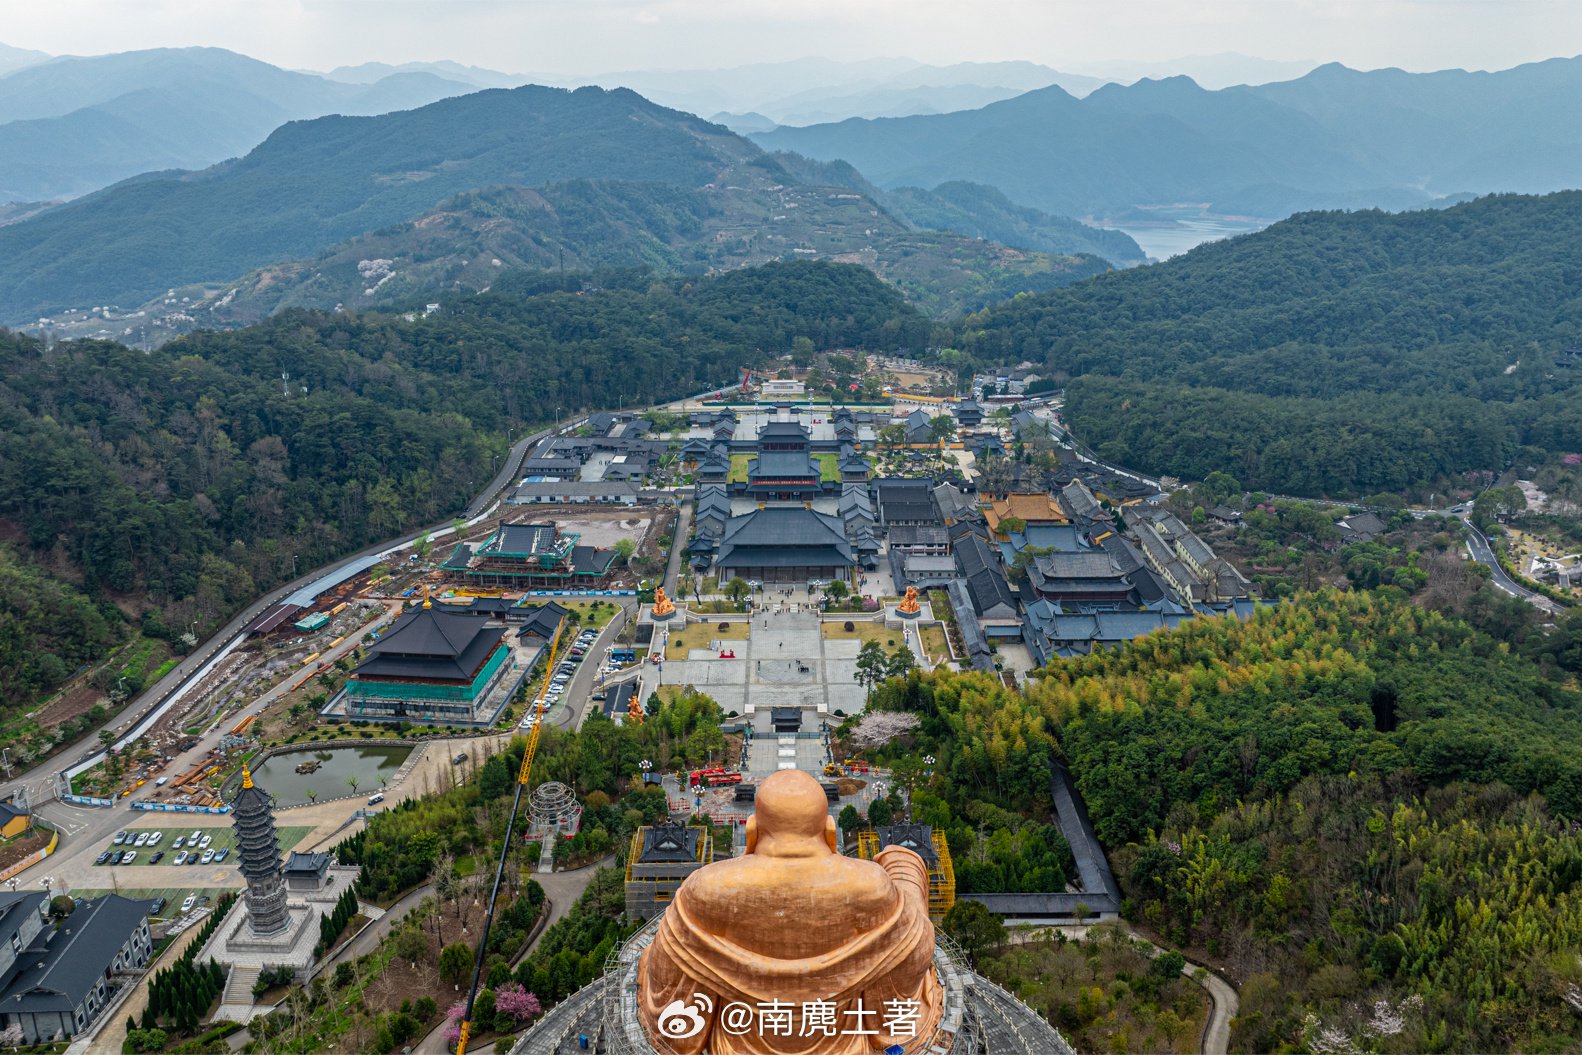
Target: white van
(376, 798)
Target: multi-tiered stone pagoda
(258, 850)
(281, 907)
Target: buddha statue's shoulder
(724, 887)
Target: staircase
(239, 986)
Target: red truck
(712, 778)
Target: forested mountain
(1360, 812)
(1333, 138)
(179, 483)
(973, 209)
(1333, 353)
(615, 178)
(73, 125)
(312, 183)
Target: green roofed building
(531, 557)
(434, 666)
(312, 621)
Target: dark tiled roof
(670, 844)
(590, 560)
(530, 539)
(542, 620)
(782, 430)
(980, 572)
(780, 465)
(714, 500)
(617, 700)
(306, 864)
(459, 558)
(429, 643)
(786, 538)
(9, 812)
(919, 535)
(915, 837)
(1094, 564)
(61, 967)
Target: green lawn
(739, 464)
(828, 468)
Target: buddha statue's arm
(907, 870)
(665, 984)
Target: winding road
(1483, 553)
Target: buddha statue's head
(790, 817)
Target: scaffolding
(659, 860)
(553, 809)
(917, 837)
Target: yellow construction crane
(510, 827)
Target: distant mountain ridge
(70, 126)
(603, 177)
(12, 59)
(1333, 138)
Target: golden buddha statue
(793, 948)
(663, 606)
(909, 604)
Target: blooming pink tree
(511, 999)
(453, 1016)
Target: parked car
(161, 782)
(203, 842)
(192, 899)
(459, 759)
(115, 858)
(141, 840)
(376, 798)
(222, 854)
(157, 905)
(131, 857)
(120, 837)
(102, 858)
(207, 858)
(192, 840)
(181, 840)
(158, 856)
(192, 859)
(181, 858)
(153, 840)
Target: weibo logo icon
(679, 1021)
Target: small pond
(371, 766)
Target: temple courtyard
(785, 661)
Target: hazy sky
(582, 36)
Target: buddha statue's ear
(831, 835)
(752, 833)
